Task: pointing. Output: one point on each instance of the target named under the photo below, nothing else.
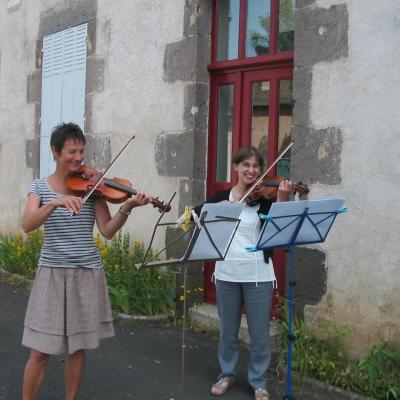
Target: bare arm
(35, 216)
(108, 225)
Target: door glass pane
(224, 138)
(286, 25)
(260, 117)
(285, 124)
(228, 29)
(258, 27)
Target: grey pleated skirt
(68, 310)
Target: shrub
(147, 291)
(377, 375)
(21, 256)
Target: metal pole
(181, 394)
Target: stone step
(206, 315)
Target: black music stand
(211, 237)
(290, 224)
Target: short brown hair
(63, 132)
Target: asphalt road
(143, 361)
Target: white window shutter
(63, 86)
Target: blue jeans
(257, 298)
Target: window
(63, 86)
(258, 28)
(228, 29)
(252, 28)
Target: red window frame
(274, 76)
(217, 81)
(241, 72)
(273, 59)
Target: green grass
(375, 376)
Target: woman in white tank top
(245, 279)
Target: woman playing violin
(245, 279)
(69, 309)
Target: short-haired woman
(69, 309)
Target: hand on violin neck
(137, 200)
(285, 190)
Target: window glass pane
(260, 117)
(286, 25)
(285, 124)
(228, 29)
(224, 138)
(258, 27)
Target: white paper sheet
(221, 232)
(286, 217)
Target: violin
(115, 190)
(268, 189)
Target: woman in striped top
(69, 309)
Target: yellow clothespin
(184, 220)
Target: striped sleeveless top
(68, 239)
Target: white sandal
(261, 394)
(223, 384)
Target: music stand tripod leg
(181, 390)
(288, 395)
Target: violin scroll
(300, 188)
(161, 205)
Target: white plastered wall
(359, 94)
(131, 37)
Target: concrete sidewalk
(143, 361)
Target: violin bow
(103, 175)
(266, 172)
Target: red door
(248, 107)
(251, 67)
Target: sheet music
(318, 222)
(221, 232)
(279, 230)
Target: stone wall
(346, 124)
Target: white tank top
(240, 265)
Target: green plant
(145, 291)
(323, 357)
(119, 298)
(379, 372)
(19, 255)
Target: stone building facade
(148, 73)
